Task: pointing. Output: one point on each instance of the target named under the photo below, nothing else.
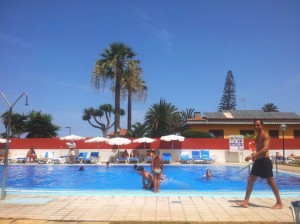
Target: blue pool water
(179, 178)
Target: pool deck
(52, 209)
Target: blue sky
(49, 48)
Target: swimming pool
(183, 178)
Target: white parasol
(72, 138)
(96, 139)
(172, 138)
(144, 140)
(118, 141)
(3, 140)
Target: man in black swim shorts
(262, 166)
(146, 177)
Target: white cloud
(15, 41)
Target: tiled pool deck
(43, 209)
(162, 208)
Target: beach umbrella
(96, 139)
(72, 138)
(118, 141)
(172, 138)
(144, 140)
(3, 140)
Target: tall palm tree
(112, 66)
(162, 118)
(270, 107)
(133, 87)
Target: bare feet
(242, 204)
(277, 206)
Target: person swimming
(208, 173)
(81, 168)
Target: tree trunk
(129, 110)
(117, 102)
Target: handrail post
(8, 130)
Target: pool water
(179, 178)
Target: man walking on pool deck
(262, 166)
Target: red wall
(188, 143)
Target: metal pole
(283, 147)
(8, 129)
(276, 162)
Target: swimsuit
(157, 171)
(262, 168)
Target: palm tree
(95, 115)
(187, 114)
(40, 125)
(18, 126)
(270, 107)
(134, 87)
(162, 118)
(138, 130)
(112, 66)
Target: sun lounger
(93, 158)
(185, 157)
(9, 159)
(59, 160)
(82, 156)
(166, 157)
(122, 160)
(196, 158)
(46, 159)
(205, 156)
(133, 160)
(148, 159)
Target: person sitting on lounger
(31, 155)
(125, 154)
(146, 177)
(278, 155)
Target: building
(240, 122)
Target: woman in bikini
(157, 169)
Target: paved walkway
(40, 209)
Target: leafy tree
(188, 113)
(162, 118)
(195, 134)
(94, 117)
(112, 65)
(228, 101)
(270, 107)
(133, 87)
(39, 125)
(138, 130)
(17, 124)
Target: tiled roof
(251, 114)
(245, 117)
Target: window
(274, 133)
(247, 133)
(217, 133)
(296, 133)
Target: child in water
(208, 173)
